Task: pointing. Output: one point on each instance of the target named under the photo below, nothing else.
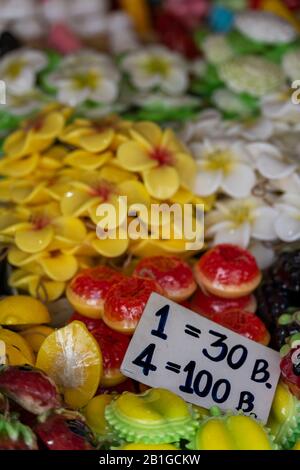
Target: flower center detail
(88, 80)
(15, 68)
(103, 189)
(162, 155)
(39, 222)
(240, 215)
(219, 160)
(157, 66)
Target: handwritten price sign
(201, 361)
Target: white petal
(265, 256)
(106, 92)
(272, 168)
(176, 82)
(261, 149)
(262, 129)
(239, 182)
(145, 81)
(263, 227)
(218, 227)
(207, 182)
(70, 96)
(288, 228)
(235, 235)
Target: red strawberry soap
(126, 301)
(87, 291)
(227, 271)
(209, 304)
(244, 323)
(173, 275)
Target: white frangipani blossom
(264, 26)
(239, 221)
(287, 224)
(223, 165)
(253, 130)
(280, 108)
(209, 124)
(19, 68)
(86, 76)
(26, 103)
(269, 161)
(157, 67)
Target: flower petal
(110, 248)
(186, 167)
(69, 230)
(239, 235)
(76, 203)
(162, 182)
(207, 182)
(33, 241)
(273, 168)
(135, 191)
(98, 141)
(133, 157)
(263, 227)
(86, 160)
(288, 227)
(51, 125)
(52, 265)
(147, 134)
(265, 256)
(45, 290)
(239, 182)
(176, 82)
(21, 167)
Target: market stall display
(111, 110)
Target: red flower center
(103, 189)
(162, 155)
(40, 221)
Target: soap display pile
(170, 105)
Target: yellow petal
(182, 196)
(147, 134)
(46, 290)
(27, 192)
(13, 143)
(18, 258)
(170, 141)
(115, 216)
(208, 201)
(76, 203)
(84, 248)
(86, 160)
(135, 191)
(20, 279)
(110, 248)
(51, 125)
(19, 168)
(162, 182)
(33, 241)
(115, 174)
(133, 157)
(187, 169)
(5, 194)
(97, 141)
(69, 230)
(59, 267)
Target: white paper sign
(203, 362)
